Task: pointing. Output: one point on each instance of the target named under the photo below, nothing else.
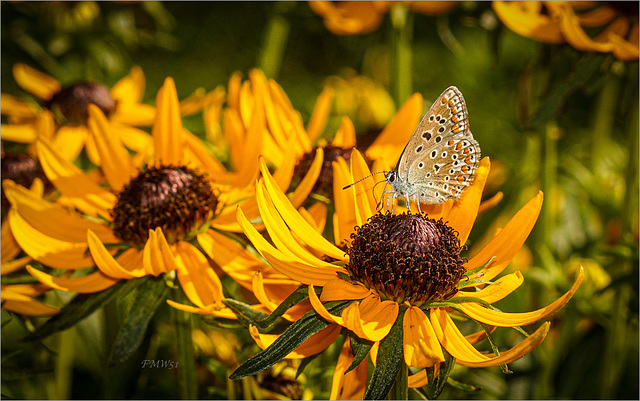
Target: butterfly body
(440, 159)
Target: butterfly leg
(408, 204)
(418, 203)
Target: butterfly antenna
(364, 178)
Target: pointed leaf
(360, 348)
(143, 305)
(388, 362)
(80, 307)
(295, 335)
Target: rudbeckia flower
(587, 26)
(70, 134)
(356, 17)
(145, 223)
(401, 279)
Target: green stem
(400, 389)
(549, 178)
(187, 380)
(605, 113)
(402, 38)
(275, 42)
(64, 364)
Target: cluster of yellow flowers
(161, 204)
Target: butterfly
(440, 159)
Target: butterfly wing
(441, 157)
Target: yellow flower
(355, 17)
(146, 223)
(69, 133)
(572, 22)
(365, 274)
(19, 298)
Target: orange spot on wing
(459, 146)
(454, 119)
(465, 169)
(467, 159)
(466, 151)
(443, 100)
(456, 129)
(451, 141)
(460, 179)
(453, 110)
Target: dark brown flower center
(177, 199)
(324, 183)
(22, 169)
(72, 101)
(406, 258)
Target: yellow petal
(197, 278)
(304, 273)
(130, 89)
(225, 313)
(421, 346)
(133, 138)
(575, 35)
(16, 108)
(528, 21)
(303, 189)
(14, 265)
(35, 82)
(316, 215)
(418, 379)
(22, 133)
(158, 257)
(85, 194)
(318, 306)
(295, 221)
(464, 211)
(349, 386)
(503, 319)
(508, 241)
(29, 307)
(365, 201)
(114, 158)
(10, 248)
(345, 218)
(346, 135)
(69, 141)
(90, 283)
(136, 114)
(371, 319)
(106, 263)
(47, 250)
(495, 292)
(339, 289)
(391, 141)
(320, 113)
(168, 142)
(52, 220)
(465, 354)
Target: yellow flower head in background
(585, 25)
(402, 276)
(68, 132)
(357, 17)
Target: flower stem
(604, 116)
(275, 42)
(400, 389)
(187, 369)
(401, 41)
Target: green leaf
(443, 374)
(305, 362)
(293, 299)
(222, 323)
(80, 307)
(390, 359)
(468, 388)
(295, 335)
(249, 316)
(360, 348)
(143, 305)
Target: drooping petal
(339, 289)
(349, 386)
(421, 346)
(90, 283)
(133, 138)
(14, 265)
(35, 82)
(50, 219)
(16, 108)
(311, 346)
(526, 19)
(22, 133)
(503, 319)
(211, 310)
(508, 241)
(114, 158)
(10, 248)
(158, 257)
(135, 114)
(372, 319)
(106, 262)
(168, 141)
(197, 278)
(18, 298)
(85, 194)
(47, 250)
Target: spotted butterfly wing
(441, 156)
